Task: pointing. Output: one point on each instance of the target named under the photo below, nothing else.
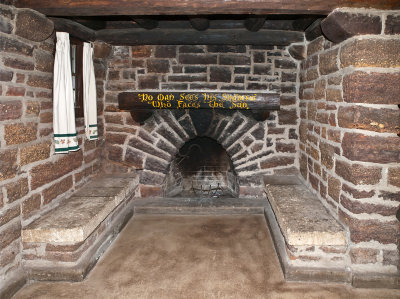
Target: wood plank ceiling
(134, 22)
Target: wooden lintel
(146, 23)
(314, 30)
(200, 23)
(178, 7)
(144, 100)
(254, 23)
(138, 36)
(74, 29)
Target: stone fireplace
(336, 135)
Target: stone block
(334, 188)
(34, 153)
(31, 205)
(276, 162)
(298, 52)
(10, 110)
(287, 117)
(9, 234)
(150, 191)
(50, 171)
(315, 46)
(243, 70)
(266, 70)
(285, 147)
(165, 52)
(44, 61)
(226, 49)
(20, 133)
(6, 75)
(357, 193)
(13, 91)
(394, 176)
(358, 174)
(371, 88)
(102, 50)
(9, 254)
(9, 214)
(188, 78)
(363, 255)
(115, 138)
(328, 62)
(33, 25)
(372, 119)
(226, 59)
(334, 95)
(258, 57)
(220, 74)
(57, 189)
(191, 49)
(197, 59)
(358, 207)
(392, 24)
(141, 51)
(148, 82)
(11, 45)
(137, 143)
(195, 69)
(157, 66)
(327, 154)
(18, 63)
(385, 232)
(40, 81)
(358, 147)
(156, 165)
(285, 64)
(114, 153)
(151, 178)
(371, 53)
(311, 224)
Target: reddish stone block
(9, 234)
(358, 147)
(315, 46)
(358, 174)
(13, 91)
(40, 81)
(141, 51)
(371, 53)
(33, 25)
(303, 166)
(50, 171)
(114, 153)
(46, 117)
(363, 255)
(285, 147)
(148, 82)
(115, 138)
(328, 62)
(8, 163)
(102, 50)
(165, 52)
(150, 191)
(9, 214)
(44, 61)
(31, 205)
(10, 110)
(371, 88)
(327, 154)
(18, 63)
(114, 118)
(357, 193)
(287, 117)
(17, 189)
(385, 232)
(378, 120)
(20, 133)
(334, 188)
(394, 176)
(357, 207)
(11, 45)
(57, 189)
(157, 66)
(276, 162)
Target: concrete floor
(193, 257)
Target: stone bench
(66, 242)
(310, 242)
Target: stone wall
(32, 177)
(349, 151)
(254, 147)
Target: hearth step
(200, 206)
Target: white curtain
(65, 138)
(89, 93)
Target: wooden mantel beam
(139, 36)
(196, 7)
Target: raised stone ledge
(302, 218)
(75, 218)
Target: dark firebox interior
(201, 168)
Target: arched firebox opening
(201, 168)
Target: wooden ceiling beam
(182, 7)
(74, 29)
(138, 36)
